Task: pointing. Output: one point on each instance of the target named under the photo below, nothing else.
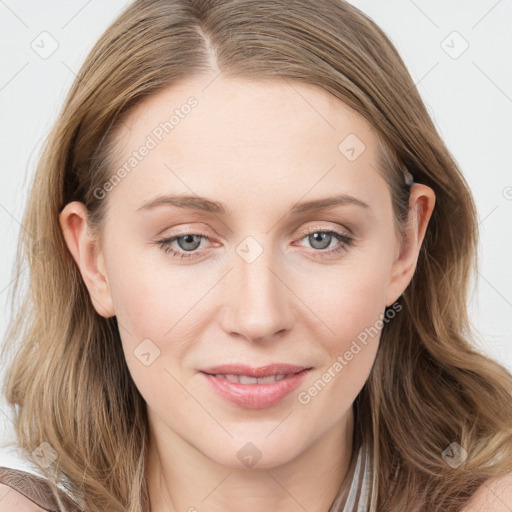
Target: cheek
(149, 295)
(331, 390)
(351, 311)
(351, 297)
(146, 314)
(159, 317)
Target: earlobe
(85, 251)
(421, 206)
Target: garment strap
(36, 489)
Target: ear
(421, 205)
(86, 252)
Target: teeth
(231, 378)
(244, 379)
(247, 380)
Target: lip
(250, 371)
(257, 396)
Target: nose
(258, 302)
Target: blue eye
(184, 241)
(188, 243)
(323, 236)
(344, 241)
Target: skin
(13, 500)
(259, 147)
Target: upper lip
(250, 371)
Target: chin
(258, 452)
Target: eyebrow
(193, 202)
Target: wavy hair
(68, 383)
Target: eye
(320, 240)
(188, 243)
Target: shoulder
(11, 499)
(493, 496)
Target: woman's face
(259, 271)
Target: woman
(253, 292)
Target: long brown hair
(68, 382)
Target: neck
(182, 478)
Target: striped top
(359, 495)
(358, 499)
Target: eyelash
(345, 242)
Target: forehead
(215, 135)
(254, 110)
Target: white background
(468, 97)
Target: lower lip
(256, 396)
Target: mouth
(261, 372)
(245, 379)
(255, 388)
